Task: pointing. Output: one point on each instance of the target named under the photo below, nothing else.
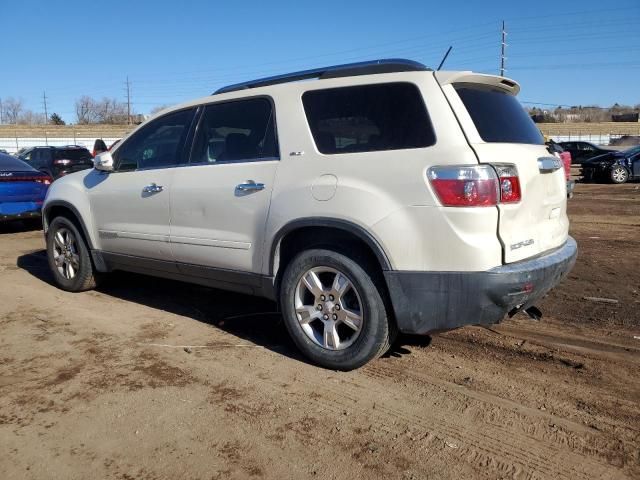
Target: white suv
(371, 198)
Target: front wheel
(68, 256)
(619, 174)
(333, 310)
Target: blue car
(22, 189)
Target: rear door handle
(250, 186)
(153, 188)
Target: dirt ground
(99, 384)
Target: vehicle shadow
(249, 318)
(17, 226)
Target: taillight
(475, 185)
(465, 185)
(509, 183)
(44, 180)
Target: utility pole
(503, 49)
(44, 101)
(128, 102)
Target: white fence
(12, 145)
(597, 138)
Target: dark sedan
(22, 189)
(583, 151)
(614, 167)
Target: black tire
(377, 331)
(618, 174)
(84, 277)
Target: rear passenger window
(389, 116)
(236, 131)
(498, 116)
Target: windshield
(632, 150)
(498, 116)
(12, 164)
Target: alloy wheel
(328, 308)
(65, 253)
(619, 175)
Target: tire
(74, 271)
(619, 174)
(322, 295)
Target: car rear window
(12, 164)
(389, 116)
(76, 154)
(498, 116)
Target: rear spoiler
(506, 84)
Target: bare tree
(110, 110)
(85, 110)
(12, 108)
(157, 109)
(107, 110)
(28, 117)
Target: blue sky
(562, 52)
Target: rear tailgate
(500, 131)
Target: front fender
(69, 192)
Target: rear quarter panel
(386, 192)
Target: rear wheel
(69, 257)
(333, 310)
(619, 174)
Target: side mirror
(103, 162)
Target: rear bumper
(19, 210)
(426, 301)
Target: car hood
(604, 158)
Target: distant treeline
(585, 114)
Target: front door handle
(153, 188)
(250, 186)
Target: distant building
(625, 117)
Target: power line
(128, 101)
(502, 49)
(44, 101)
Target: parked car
(22, 189)
(58, 161)
(113, 145)
(565, 156)
(582, 151)
(614, 167)
(370, 198)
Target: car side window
(158, 144)
(585, 147)
(36, 159)
(367, 118)
(236, 131)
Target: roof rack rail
(388, 65)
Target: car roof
(372, 67)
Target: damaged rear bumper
(426, 301)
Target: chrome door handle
(250, 186)
(153, 188)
